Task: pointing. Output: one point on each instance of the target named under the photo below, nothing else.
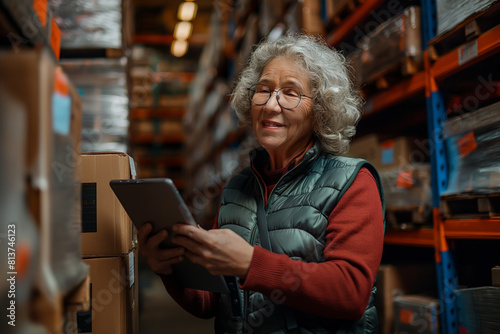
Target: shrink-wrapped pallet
(394, 43)
(473, 151)
(408, 193)
(452, 12)
(478, 309)
(102, 84)
(93, 24)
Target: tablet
(158, 202)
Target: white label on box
(131, 271)
(467, 52)
(133, 172)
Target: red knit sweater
(340, 287)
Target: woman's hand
(159, 260)
(221, 252)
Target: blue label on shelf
(61, 113)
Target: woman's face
(283, 131)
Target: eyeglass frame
(277, 96)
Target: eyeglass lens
(288, 98)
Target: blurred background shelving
(427, 70)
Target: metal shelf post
(436, 114)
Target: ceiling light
(187, 11)
(179, 48)
(182, 30)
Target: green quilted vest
(297, 216)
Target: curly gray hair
(337, 103)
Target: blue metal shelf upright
(436, 115)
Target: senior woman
(302, 227)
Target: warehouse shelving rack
(435, 70)
(482, 47)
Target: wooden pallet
(470, 205)
(392, 74)
(466, 31)
(406, 67)
(407, 216)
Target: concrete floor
(159, 314)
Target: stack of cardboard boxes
(405, 172)
(51, 194)
(109, 247)
(44, 111)
(402, 297)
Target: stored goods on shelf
(50, 110)
(102, 84)
(114, 291)
(398, 152)
(394, 44)
(20, 239)
(53, 130)
(394, 281)
(478, 309)
(473, 151)
(156, 126)
(106, 227)
(416, 314)
(408, 194)
(94, 24)
(452, 12)
(366, 147)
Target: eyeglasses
(289, 99)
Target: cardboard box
(416, 314)
(495, 276)
(366, 147)
(106, 227)
(52, 174)
(114, 296)
(393, 281)
(397, 152)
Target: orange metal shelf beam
(481, 228)
(147, 113)
(423, 237)
(487, 44)
(414, 85)
(353, 20)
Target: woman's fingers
(159, 260)
(143, 233)
(164, 267)
(219, 251)
(192, 232)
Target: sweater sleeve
(341, 286)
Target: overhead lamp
(182, 30)
(187, 11)
(179, 48)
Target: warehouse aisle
(160, 314)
